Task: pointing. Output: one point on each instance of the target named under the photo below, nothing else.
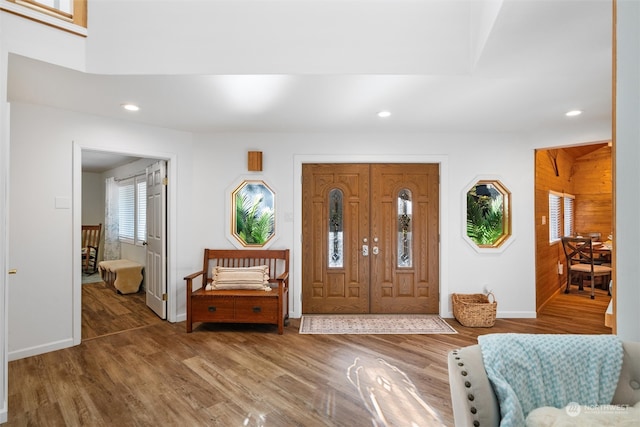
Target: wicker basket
(475, 310)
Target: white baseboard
(503, 315)
(40, 349)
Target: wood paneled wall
(593, 191)
(588, 177)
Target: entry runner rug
(374, 324)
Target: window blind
(126, 210)
(554, 216)
(141, 228)
(568, 215)
(132, 198)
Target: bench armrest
(283, 277)
(193, 275)
(189, 288)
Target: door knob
(13, 271)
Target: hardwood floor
(105, 312)
(246, 375)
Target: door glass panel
(404, 228)
(335, 244)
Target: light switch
(544, 220)
(63, 203)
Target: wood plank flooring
(248, 375)
(106, 312)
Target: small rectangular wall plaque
(255, 161)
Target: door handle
(376, 250)
(13, 271)
(365, 250)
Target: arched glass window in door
(335, 243)
(404, 228)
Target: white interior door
(156, 268)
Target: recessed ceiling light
(573, 113)
(130, 107)
(384, 114)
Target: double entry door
(370, 238)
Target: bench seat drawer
(212, 308)
(256, 310)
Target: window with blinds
(132, 210)
(568, 214)
(561, 215)
(554, 216)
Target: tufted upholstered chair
(475, 404)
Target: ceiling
(538, 61)
(101, 161)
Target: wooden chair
(90, 247)
(593, 235)
(579, 254)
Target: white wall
(221, 161)
(42, 311)
(255, 37)
(92, 198)
(40, 315)
(627, 155)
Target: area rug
(93, 278)
(374, 324)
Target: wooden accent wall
(588, 177)
(548, 281)
(593, 191)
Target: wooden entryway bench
(240, 305)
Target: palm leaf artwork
(253, 224)
(484, 218)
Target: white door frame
(295, 300)
(77, 224)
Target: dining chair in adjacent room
(593, 235)
(579, 254)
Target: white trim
(512, 236)
(41, 349)
(172, 270)
(502, 315)
(295, 298)
(33, 14)
(4, 251)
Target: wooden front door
(370, 238)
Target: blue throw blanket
(528, 371)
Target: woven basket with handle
(475, 310)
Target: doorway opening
(583, 175)
(89, 206)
